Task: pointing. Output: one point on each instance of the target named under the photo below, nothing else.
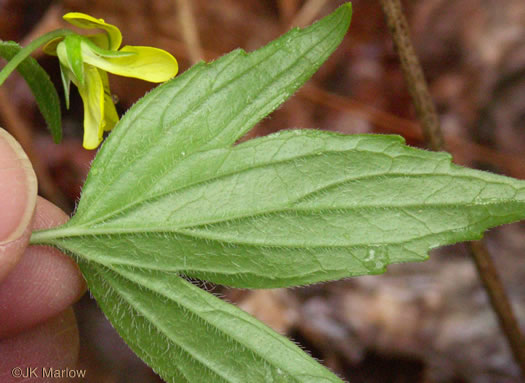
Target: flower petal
(110, 112)
(51, 47)
(147, 63)
(88, 22)
(99, 39)
(92, 94)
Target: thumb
(18, 190)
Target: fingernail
(18, 189)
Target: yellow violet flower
(85, 61)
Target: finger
(18, 188)
(44, 283)
(53, 344)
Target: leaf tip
(341, 17)
(57, 136)
(344, 12)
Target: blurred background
(427, 322)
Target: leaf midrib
(53, 235)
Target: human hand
(37, 284)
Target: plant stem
(492, 282)
(417, 85)
(429, 120)
(26, 51)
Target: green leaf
(188, 335)
(169, 194)
(40, 84)
(297, 207)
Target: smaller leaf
(208, 106)
(188, 335)
(40, 84)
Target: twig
(500, 302)
(189, 30)
(307, 13)
(428, 117)
(417, 86)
